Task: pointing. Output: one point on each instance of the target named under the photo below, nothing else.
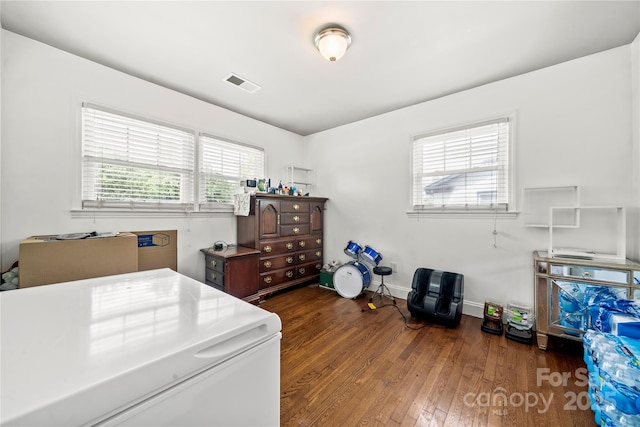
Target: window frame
(204, 205)
(507, 209)
(89, 208)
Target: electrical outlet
(394, 266)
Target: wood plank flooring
(344, 364)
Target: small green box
(326, 279)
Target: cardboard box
(44, 260)
(157, 249)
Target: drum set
(353, 278)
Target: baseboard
(470, 308)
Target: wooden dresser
(233, 270)
(288, 232)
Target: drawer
(277, 247)
(294, 206)
(294, 218)
(309, 256)
(308, 270)
(213, 285)
(275, 263)
(215, 277)
(215, 263)
(276, 277)
(309, 242)
(294, 230)
(590, 273)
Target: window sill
(461, 214)
(141, 213)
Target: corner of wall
(1, 239)
(634, 220)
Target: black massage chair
(437, 295)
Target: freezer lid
(76, 352)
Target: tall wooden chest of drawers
(288, 232)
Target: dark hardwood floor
(344, 364)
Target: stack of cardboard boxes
(44, 259)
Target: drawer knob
(301, 270)
(302, 243)
(318, 241)
(214, 263)
(289, 274)
(268, 249)
(267, 264)
(268, 279)
(318, 267)
(289, 260)
(302, 257)
(213, 276)
(586, 274)
(319, 254)
(296, 230)
(296, 218)
(296, 207)
(289, 245)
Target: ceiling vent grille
(242, 83)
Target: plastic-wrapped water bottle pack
(614, 378)
(575, 299)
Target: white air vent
(242, 83)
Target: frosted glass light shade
(333, 42)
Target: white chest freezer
(153, 348)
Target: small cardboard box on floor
(44, 260)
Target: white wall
(42, 90)
(1, 240)
(635, 125)
(573, 128)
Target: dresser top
(585, 261)
(279, 196)
(230, 252)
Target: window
(464, 168)
(223, 165)
(134, 163)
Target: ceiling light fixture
(332, 42)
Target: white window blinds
(134, 163)
(465, 168)
(223, 165)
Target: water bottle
(569, 300)
(609, 416)
(605, 350)
(587, 355)
(625, 398)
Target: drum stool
(382, 271)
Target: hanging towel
(241, 204)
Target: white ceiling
(403, 52)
